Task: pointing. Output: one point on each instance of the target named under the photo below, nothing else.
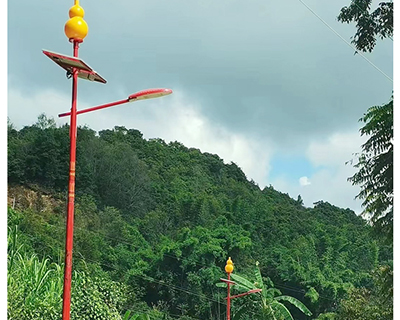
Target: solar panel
(69, 63)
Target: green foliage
(327, 316)
(35, 288)
(136, 316)
(370, 24)
(312, 295)
(362, 305)
(95, 299)
(375, 302)
(158, 220)
(375, 168)
(43, 122)
(269, 299)
(121, 179)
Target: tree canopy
(370, 24)
(375, 164)
(160, 219)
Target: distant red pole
(228, 304)
(71, 195)
(228, 269)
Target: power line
(158, 281)
(164, 254)
(300, 291)
(147, 278)
(171, 256)
(196, 262)
(348, 43)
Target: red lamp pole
(228, 301)
(228, 269)
(76, 30)
(71, 195)
(145, 94)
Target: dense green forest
(155, 223)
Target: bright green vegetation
(374, 167)
(269, 302)
(35, 287)
(375, 164)
(155, 224)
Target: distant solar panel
(69, 63)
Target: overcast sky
(264, 84)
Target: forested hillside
(155, 223)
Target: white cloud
(23, 110)
(304, 181)
(329, 182)
(177, 118)
(336, 149)
(172, 118)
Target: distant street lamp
(228, 269)
(76, 30)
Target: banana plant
(136, 316)
(269, 299)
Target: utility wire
(168, 255)
(165, 254)
(158, 281)
(348, 43)
(147, 278)
(196, 262)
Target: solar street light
(76, 30)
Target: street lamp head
(149, 94)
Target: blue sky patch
(291, 167)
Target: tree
(168, 241)
(122, 179)
(270, 301)
(300, 200)
(44, 122)
(370, 304)
(370, 24)
(375, 164)
(375, 176)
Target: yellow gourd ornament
(76, 29)
(229, 266)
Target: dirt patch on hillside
(23, 198)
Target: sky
(267, 85)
